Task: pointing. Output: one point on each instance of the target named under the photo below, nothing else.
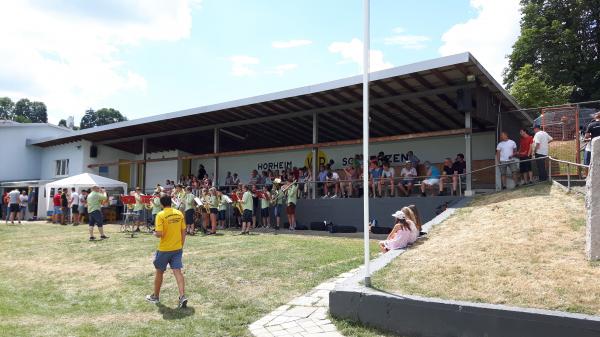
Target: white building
(435, 108)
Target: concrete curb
(421, 316)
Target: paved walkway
(304, 316)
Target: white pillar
(365, 121)
(468, 155)
(592, 204)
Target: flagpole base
(368, 282)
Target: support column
(144, 150)
(315, 154)
(592, 205)
(468, 155)
(216, 150)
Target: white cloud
(353, 52)
(406, 41)
(489, 36)
(282, 69)
(241, 65)
(67, 54)
(290, 43)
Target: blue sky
(162, 56)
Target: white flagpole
(365, 121)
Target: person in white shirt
(387, 176)
(332, 181)
(408, 175)
(540, 150)
(13, 206)
(23, 199)
(506, 154)
(74, 206)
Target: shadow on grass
(175, 313)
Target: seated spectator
(415, 212)
(332, 182)
(351, 180)
(374, 175)
(447, 175)
(401, 235)
(407, 178)
(410, 215)
(236, 180)
(433, 178)
(381, 159)
(387, 178)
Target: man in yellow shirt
(170, 228)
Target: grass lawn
(53, 282)
(524, 247)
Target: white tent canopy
(84, 181)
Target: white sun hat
(399, 215)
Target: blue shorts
(57, 210)
(221, 215)
(172, 258)
(95, 218)
(189, 217)
(247, 216)
(278, 210)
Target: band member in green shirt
(214, 210)
(292, 199)
(278, 199)
(189, 208)
(156, 206)
(95, 201)
(247, 205)
(138, 208)
(222, 210)
(265, 200)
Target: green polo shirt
(292, 193)
(94, 201)
(247, 202)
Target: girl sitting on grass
(401, 234)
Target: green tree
(62, 122)
(100, 117)
(35, 112)
(561, 40)
(531, 90)
(6, 108)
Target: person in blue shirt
(375, 175)
(433, 178)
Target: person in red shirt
(56, 200)
(525, 166)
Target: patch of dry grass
(523, 248)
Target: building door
(124, 172)
(186, 167)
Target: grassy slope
(53, 282)
(523, 247)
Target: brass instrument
(206, 202)
(238, 204)
(285, 188)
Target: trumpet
(285, 188)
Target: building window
(62, 167)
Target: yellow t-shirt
(170, 222)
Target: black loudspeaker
(318, 226)
(93, 151)
(381, 230)
(341, 229)
(464, 100)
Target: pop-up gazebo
(84, 181)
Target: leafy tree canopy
(24, 111)
(531, 90)
(560, 40)
(100, 117)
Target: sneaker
(334, 196)
(153, 299)
(103, 237)
(92, 238)
(182, 301)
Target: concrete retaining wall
(417, 316)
